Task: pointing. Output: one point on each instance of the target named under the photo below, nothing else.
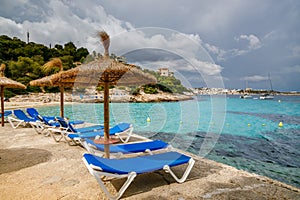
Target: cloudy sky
(215, 43)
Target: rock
(68, 97)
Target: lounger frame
(62, 133)
(17, 123)
(22, 119)
(99, 174)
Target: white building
(165, 72)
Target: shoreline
(98, 98)
(40, 99)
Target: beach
(36, 167)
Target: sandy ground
(33, 166)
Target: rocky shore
(98, 98)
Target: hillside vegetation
(24, 60)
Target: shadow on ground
(18, 158)
(146, 182)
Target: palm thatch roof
(54, 62)
(96, 73)
(8, 83)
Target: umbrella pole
(2, 105)
(106, 119)
(61, 101)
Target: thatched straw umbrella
(101, 72)
(8, 83)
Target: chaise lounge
(20, 119)
(6, 114)
(32, 112)
(42, 125)
(130, 167)
(122, 130)
(70, 128)
(72, 138)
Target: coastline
(39, 99)
(35, 98)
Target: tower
(27, 37)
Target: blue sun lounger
(70, 128)
(120, 149)
(43, 124)
(6, 114)
(76, 138)
(130, 167)
(32, 112)
(20, 119)
(119, 130)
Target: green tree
(24, 60)
(24, 70)
(69, 49)
(67, 62)
(58, 47)
(80, 54)
(150, 89)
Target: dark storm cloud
(244, 38)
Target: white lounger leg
(186, 173)
(130, 178)
(57, 137)
(38, 127)
(98, 174)
(11, 119)
(128, 134)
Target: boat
(246, 96)
(267, 96)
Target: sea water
(244, 133)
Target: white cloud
(10, 27)
(254, 42)
(62, 24)
(79, 22)
(184, 45)
(255, 78)
(217, 51)
(202, 68)
(191, 72)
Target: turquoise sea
(243, 133)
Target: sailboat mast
(270, 82)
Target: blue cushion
(22, 116)
(131, 148)
(6, 113)
(139, 165)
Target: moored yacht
(246, 96)
(266, 96)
